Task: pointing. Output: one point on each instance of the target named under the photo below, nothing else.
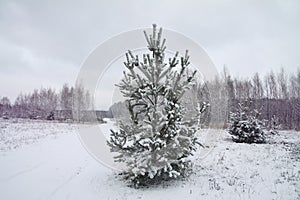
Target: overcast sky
(43, 43)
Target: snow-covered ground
(43, 160)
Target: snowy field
(44, 160)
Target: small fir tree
(156, 143)
(244, 125)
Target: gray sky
(43, 43)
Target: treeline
(70, 103)
(275, 95)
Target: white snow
(45, 160)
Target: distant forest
(70, 103)
(276, 95)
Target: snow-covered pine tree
(244, 125)
(156, 144)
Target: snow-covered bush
(156, 143)
(244, 125)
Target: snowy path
(43, 171)
(59, 168)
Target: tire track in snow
(21, 172)
(74, 175)
(62, 185)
